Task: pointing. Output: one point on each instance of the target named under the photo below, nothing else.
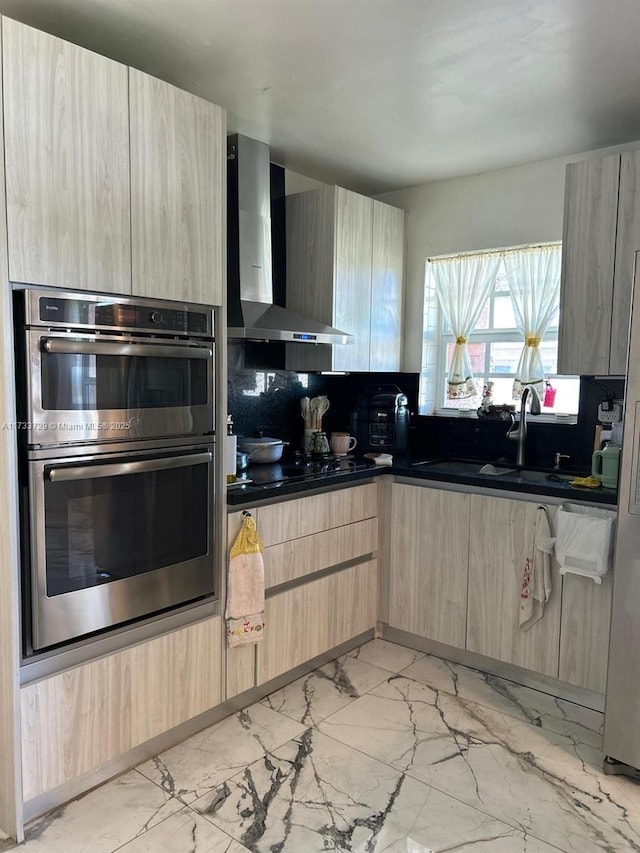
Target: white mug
(342, 443)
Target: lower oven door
(116, 537)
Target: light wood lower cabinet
(292, 560)
(317, 616)
(584, 633)
(301, 537)
(429, 558)
(77, 720)
(282, 522)
(500, 538)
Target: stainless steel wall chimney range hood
(251, 313)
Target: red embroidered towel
(536, 576)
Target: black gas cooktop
(304, 468)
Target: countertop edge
(406, 468)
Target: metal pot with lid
(262, 450)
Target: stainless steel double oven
(116, 448)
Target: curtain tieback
(532, 341)
(460, 340)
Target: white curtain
(534, 283)
(463, 285)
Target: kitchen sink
(458, 466)
(468, 468)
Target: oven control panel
(53, 310)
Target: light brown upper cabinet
(600, 237)
(115, 180)
(178, 158)
(387, 269)
(344, 268)
(67, 163)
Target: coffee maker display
(380, 421)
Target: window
(495, 345)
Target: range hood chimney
(251, 312)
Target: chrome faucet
(520, 434)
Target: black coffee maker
(380, 420)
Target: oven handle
(91, 472)
(56, 345)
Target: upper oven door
(99, 388)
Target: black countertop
(415, 468)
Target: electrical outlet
(612, 415)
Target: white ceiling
(382, 94)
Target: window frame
(434, 329)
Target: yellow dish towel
(586, 482)
(245, 587)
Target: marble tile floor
(383, 749)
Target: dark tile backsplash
(268, 399)
(486, 440)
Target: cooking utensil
(318, 407)
(323, 408)
(262, 450)
(305, 411)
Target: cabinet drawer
(290, 560)
(311, 619)
(313, 514)
(77, 720)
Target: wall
(296, 183)
(502, 208)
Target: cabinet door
(429, 563)
(77, 720)
(387, 266)
(501, 537)
(352, 278)
(308, 620)
(310, 243)
(178, 157)
(584, 634)
(67, 163)
(588, 247)
(329, 255)
(627, 243)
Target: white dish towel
(245, 587)
(584, 544)
(536, 576)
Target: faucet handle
(559, 458)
